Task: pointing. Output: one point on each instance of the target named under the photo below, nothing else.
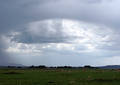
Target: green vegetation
(59, 77)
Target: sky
(60, 32)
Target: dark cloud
(15, 16)
(48, 31)
(4, 56)
(28, 38)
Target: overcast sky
(60, 32)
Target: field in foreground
(59, 77)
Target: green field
(59, 77)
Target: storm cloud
(15, 14)
(67, 28)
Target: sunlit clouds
(64, 36)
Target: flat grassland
(59, 77)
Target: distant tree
(11, 67)
(42, 66)
(64, 67)
(19, 67)
(32, 66)
(88, 66)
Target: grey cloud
(53, 31)
(4, 56)
(14, 15)
(48, 31)
(102, 13)
(28, 38)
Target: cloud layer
(53, 30)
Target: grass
(59, 77)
